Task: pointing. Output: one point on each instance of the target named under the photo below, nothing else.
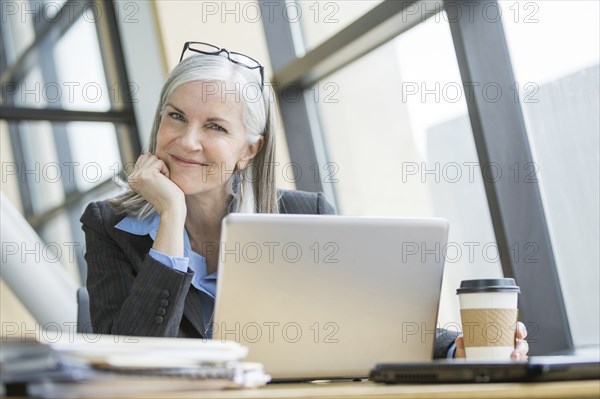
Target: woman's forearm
(169, 237)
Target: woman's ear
(251, 151)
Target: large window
(417, 111)
(67, 116)
(401, 144)
(554, 48)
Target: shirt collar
(140, 227)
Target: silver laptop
(315, 296)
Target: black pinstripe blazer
(133, 294)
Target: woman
(152, 252)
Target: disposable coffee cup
(488, 312)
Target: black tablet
(541, 368)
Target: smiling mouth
(187, 162)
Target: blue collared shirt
(205, 283)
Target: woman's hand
(521, 346)
(150, 179)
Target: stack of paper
(112, 365)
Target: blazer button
(161, 311)
(165, 294)
(158, 319)
(163, 302)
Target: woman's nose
(191, 139)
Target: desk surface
(367, 389)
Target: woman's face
(202, 137)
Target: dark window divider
(516, 207)
(10, 113)
(307, 150)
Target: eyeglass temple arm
(185, 47)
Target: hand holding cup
(521, 345)
(489, 321)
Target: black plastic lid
(488, 285)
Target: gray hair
(253, 188)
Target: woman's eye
(219, 128)
(176, 116)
